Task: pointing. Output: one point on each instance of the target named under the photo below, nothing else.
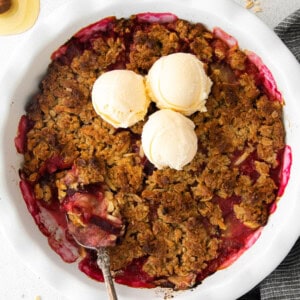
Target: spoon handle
(103, 262)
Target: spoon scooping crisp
(93, 228)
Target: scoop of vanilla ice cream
(178, 81)
(169, 139)
(119, 97)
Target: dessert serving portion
(168, 224)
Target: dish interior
(31, 76)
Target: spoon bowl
(83, 238)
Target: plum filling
(52, 223)
(89, 220)
(285, 163)
(134, 276)
(265, 77)
(168, 228)
(20, 139)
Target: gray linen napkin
(289, 32)
(284, 282)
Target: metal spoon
(103, 259)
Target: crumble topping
(181, 224)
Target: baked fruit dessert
(167, 226)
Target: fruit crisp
(179, 226)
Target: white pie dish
(31, 61)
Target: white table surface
(16, 280)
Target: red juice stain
(134, 276)
(89, 267)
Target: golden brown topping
(176, 221)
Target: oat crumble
(179, 223)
